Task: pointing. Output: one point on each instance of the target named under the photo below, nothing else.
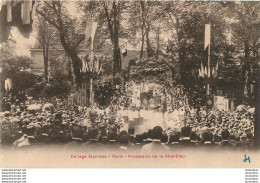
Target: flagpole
(208, 86)
(92, 68)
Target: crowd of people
(102, 129)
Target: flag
(217, 66)
(90, 30)
(207, 36)
(93, 30)
(90, 33)
(83, 68)
(202, 70)
(215, 71)
(205, 70)
(100, 67)
(8, 84)
(87, 67)
(200, 73)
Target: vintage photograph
(137, 84)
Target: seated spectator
(225, 144)
(24, 136)
(156, 145)
(185, 133)
(174, 141)
(131, 132)
(123, 140)
(248, 143)
(44, 137)
(207, 140)
(164, 138)
(30, 141)
(77, 135)
(193, 139)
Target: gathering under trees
(145, 72)
(169, 32)
(234, 28)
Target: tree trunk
(45, 62)
(117, 55)
(143, 32)
(158, 43)
(147, 31)
(45, 51)
(72, 53)
(257, 114)
(142, 44)
(149, 47)
(246, 70)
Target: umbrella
(15, 120)
(241, 108)
(35, 107)
(47, 106)
(251, 110)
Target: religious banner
(226, 104)
(83, 97)
(221, 103)
(70, 102)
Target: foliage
(58, 87)
(150, 24)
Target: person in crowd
(156, 145)
(225, 143)
(248, 143)
(193, 139)
(138, 142)
(44, 138)
(23, 138)
(174, 141)
(207, 141)
(227, 129)
(77, 135)
(30, 140)
(123, 140)
(185, 133)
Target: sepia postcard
(129, 84)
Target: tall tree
(44, 35)
(246, 37)
(112, 14)
(56, 14)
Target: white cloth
(132, 115)
(8, 84)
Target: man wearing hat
(24, 136)
(93, 145)
(225, 144)
(30, 141)
(44, 137)
(156, 145)
(77, 135)
(207, 140)
(174, 141)
(123, 140)
(185, 133)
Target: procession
(153, 77)
(125, 126)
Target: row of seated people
(99, 139)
